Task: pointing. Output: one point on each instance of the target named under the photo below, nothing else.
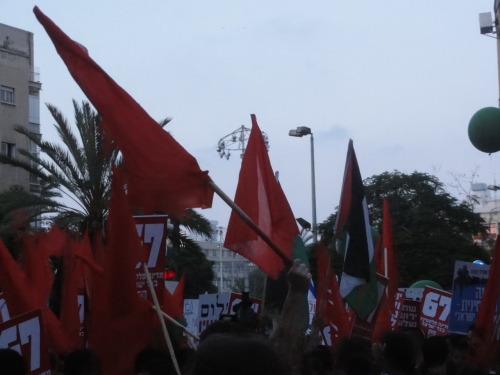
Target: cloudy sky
(400, 78)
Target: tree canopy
(431, 228)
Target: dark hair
(82, 362)
(353, 356)
(237, 355)
(435, 351)
(154, 362)
(12, 363)
(398, 351)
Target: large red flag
(329, 304)
(260, 196)
(121, 322)
(162, 175)
(386, 266)
(485, 326)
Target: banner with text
(153, 233)
(468, 288)
(435, 312)
(211, 306)
(24, 334)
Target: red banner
(435, 312)
(24, 334)
(153, 233)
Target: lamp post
(300, 132)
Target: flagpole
(162, 321)
(250, 223)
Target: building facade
(488, 207)
(19, 103)
(231, 269)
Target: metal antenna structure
(236, 141)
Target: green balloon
(484, 130)
(424, 283)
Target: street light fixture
(300, 132)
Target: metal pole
(313, 193)
(220, 259)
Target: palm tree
(80, 169)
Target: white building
(488, 207)
(229, 267)
(19, 102)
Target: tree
(431, 228)
(80, 169)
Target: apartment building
(19, 102)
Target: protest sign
(211, 306)
(435, 311)
(235, 298)
(409, 314)
(4, 311)
(25, 335)
(191, 314)
(468, 288)
(153, 233)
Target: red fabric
(161, 174)
(122, 322)
(174, 303)
(73, 285)
(260, 196)
(56, 240)
(37, 268)
(485, 323)
(21, 299)
(330, 305)
(386, 266)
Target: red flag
(329, 304)
(485, 326)
(122, 322)
(21, 299)
(386, 319)
(260, 196)
(73, 287)
(162, 175)
(37, 269)
(174, 302)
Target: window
(8, 149)
(6, 95)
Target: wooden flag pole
(250, 223)
(172, 320)
(162, 321)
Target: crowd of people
(230, 347)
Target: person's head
(153, 362)
(12, 363)
(398, 352)
(317, 361)
(353, 356)
(82, 362)
(435, 352)
(237, 355)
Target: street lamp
(300, 132)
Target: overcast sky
(401, 78)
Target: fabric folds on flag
(388, 311)
(358, 284)
(260, 196)
(160, 174)
(121, 322)
(174, 302)
(329, 304)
